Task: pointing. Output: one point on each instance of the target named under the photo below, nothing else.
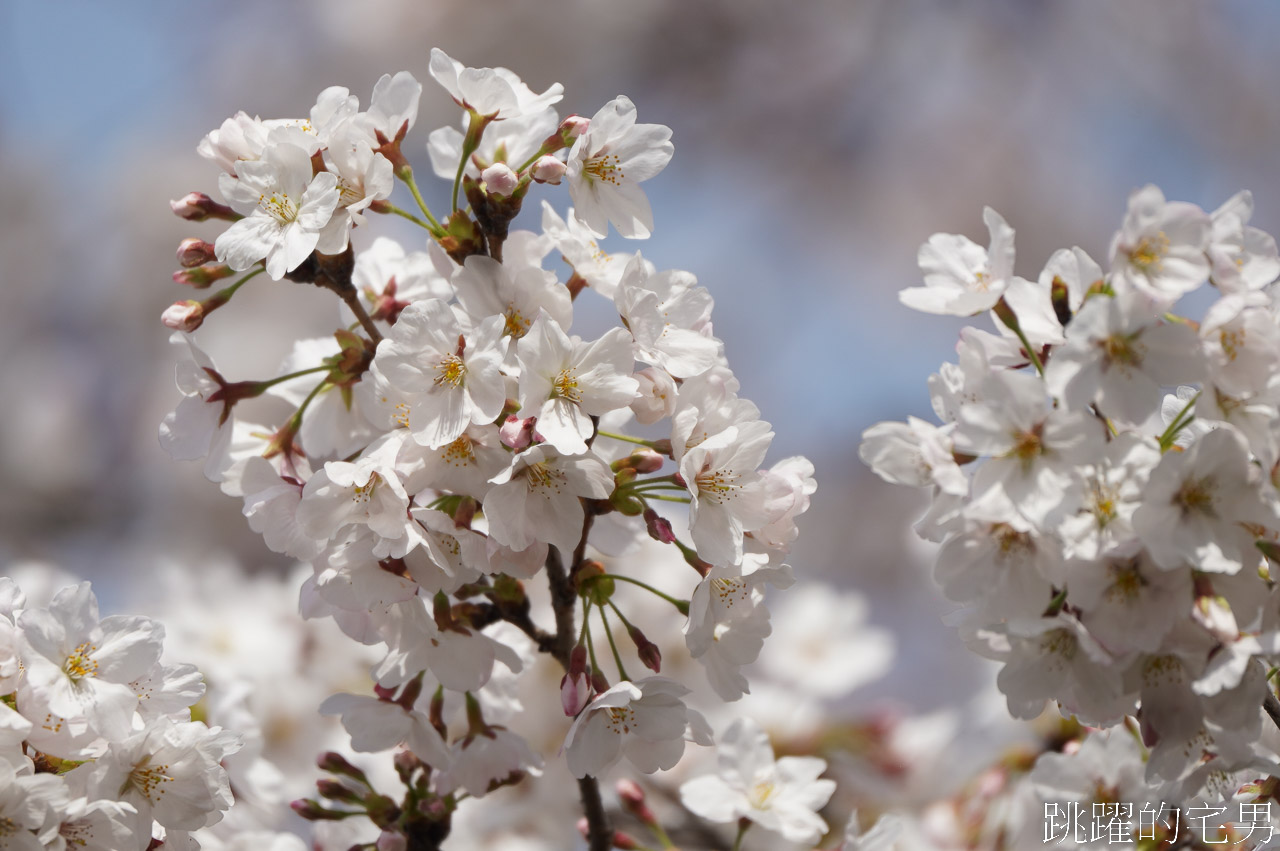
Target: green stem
(743, 827)
(422, 205)
(625, 438)
(617, 657)
(1030, 350)
(229, 291)
(282, 378)
(411, 217)
(591, 645)
(682, 605)
(662, 835)
(470, 142)
(296, 419)
(683, 499)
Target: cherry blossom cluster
(462, 471)
(1103, 487)
(98, 749)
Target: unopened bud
(631, 795)
(575, 693)
(391, 840)
(648, 652)
(336, 763)
(335, 791)
(500, 179)
(574, 126)
(200, 277)
(313, 811)
(548, 169)
(406, 764)
(517, 433)
(183, 316)
(645, 460)
(658, 527)
(194, 252)
(197, 206)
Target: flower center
(606, 167)
(761, 793)
(149, 780)
(80, 663)
(541, 477)
(1122, 350)
(362, 494)
(718, 486)
(1232, 340)
(565, 386)
(620, 719)
(517, 325)
(451, 371)
(460, 453)
(1148, 254)
(1196, 497)
(280, 207)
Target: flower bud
(645, 461)
(335, 791)
(517, 433)
(575, 693)
(658, 527)
(500, 179)
(194, 252)
(548, 169)
(336, 763)
(656, 397)
(312, 811)
(183, 316)
(391, 840)
(197, 206)
(631, 796)
(202, 276)
(648, 652)
(574, 126)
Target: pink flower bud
(197, 206)
(391, 840)
(184, 316)
(194, 252)
(575, 693)
(548, 169)
(202, 276)
(630, 793)
(645, 461)
(648, 652)
(659, 528)
(574, 126)
(517, 433)
(499, 179)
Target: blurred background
(818, 143)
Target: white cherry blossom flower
(565, 382)
(393, 108)
(669, 316)
(782, 795)
(169, 771)
(538, 498)
(608, 162)
(488, 288)
(77, 665)
(481, 759)
(726, 491)
(962, 278)
(377, 725)
(435, 380)
(288, 212)
(461, 660)
(577, 244)
(367, 491)
(1118, 355)
(494, 92)
(1194, 505)
(644, 720)
(1243, 257)
(1160, 248)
